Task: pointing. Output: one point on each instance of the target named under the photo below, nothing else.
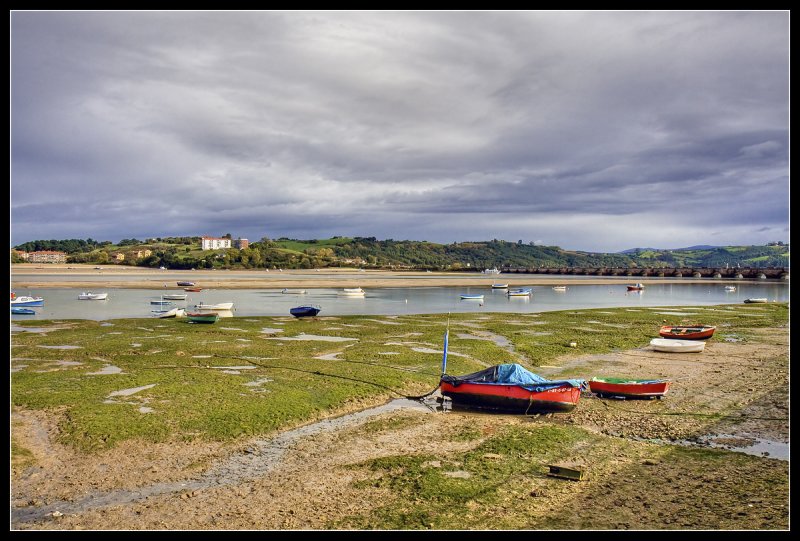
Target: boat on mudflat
(185, 284)
(759, 300)
(669, 345)
(629, 388)
(305, 311)
(511, 388)
(194, 289)
(174, 312)
(217, 306)
(687, 332)
(22, 311)
(202, 317)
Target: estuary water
(63, 303)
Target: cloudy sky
(596, 131)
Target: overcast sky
(596, 131)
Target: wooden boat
(629, 388)
(89, 296)
(352, 292)
(476, 297)
(195, 289)
(174, 312)
(687, 332)
(559, 288)
(202, 317)
(217, 306)
(499, 286)
(511, 388)
(25, 300)
(21, 310)
(521, 292)
(174, 296)
(759, 300)
(636, 287)
(185, 284)
(669, 345)
(305, 311)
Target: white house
(213, 243)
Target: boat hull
(203, 318)
(27, 301)
(632, 389)
(304, 311)
(218, 306)
(18, 310)
(511, 398)
(187, 284)
(755, 301)
(685, 332)
(668, 345)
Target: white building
(213, 243)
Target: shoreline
(142, 278)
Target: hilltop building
(214, 243)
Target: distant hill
(369, 252)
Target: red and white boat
(629, 388)
(687, 332)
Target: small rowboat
(202, 317)
(194, 289)
(294, 291)
(637, 287)
(559, 288)
(185, 284)
(477, 297)
(669, 345)
(305, 311)
(19, 310)
(629, 388)
(352, 292)
(89, 296)
(759, 300)
(163, 314)
(499, 286)
(217, 306)
(687, 332)
(174, 296)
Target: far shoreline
(75, 276)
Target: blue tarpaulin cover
(513, 374)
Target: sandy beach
(75, 276)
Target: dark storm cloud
(588, 130)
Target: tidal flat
(163, 424)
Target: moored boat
(174, 296)
(629, 388)
(162, 302)
(21, 310)
(687, 332)
(759, 300)
(499, 286)
(520, 292)
(294, 291)
(352, 292)
(305, 311)
(174, 312)
(730, 288)
(669, 345)
(476, 297)
(217, 306)
(559, 288)
(202, 317)
(89, 296)
(636, 287)
(194, 289)
(185, 284)
(26, 300)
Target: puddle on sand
(747, 444)
(257, 460)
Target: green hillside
(369, 252)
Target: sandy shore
(25, 275)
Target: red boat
(629, 388)
(637, 287)
(687, 332)
(195, 289)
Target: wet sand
(127, 277)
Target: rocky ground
(300, 480)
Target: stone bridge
(755, 273)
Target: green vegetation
(241, 378)
(369, 252)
